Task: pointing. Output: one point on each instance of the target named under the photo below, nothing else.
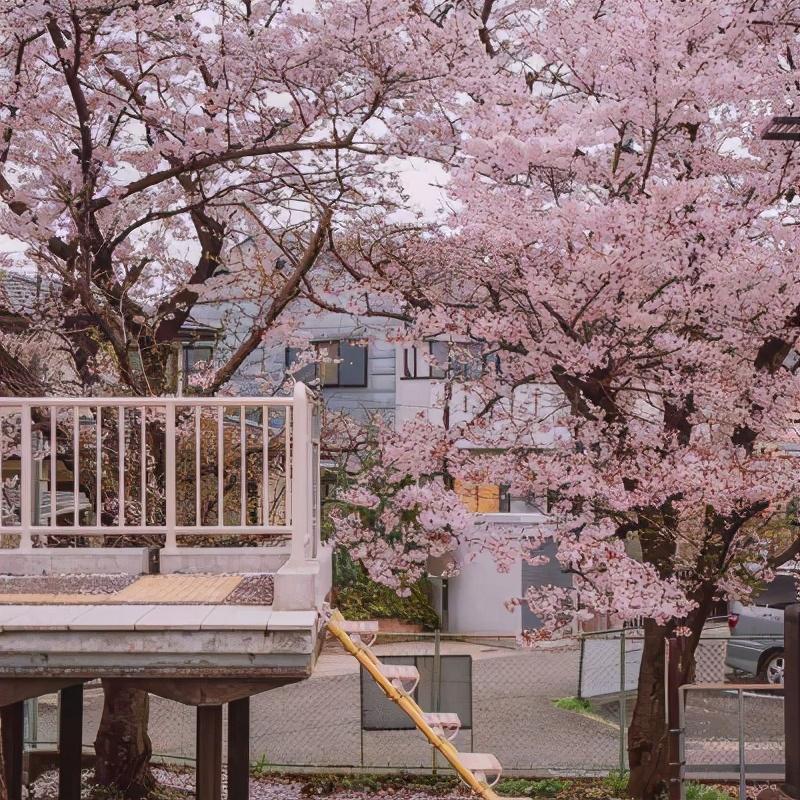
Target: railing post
(170, 540)
(301, 473)
(742, 766)
(26, 479)
(315, 423)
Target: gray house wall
(266, 366)
(477, 595)
(549, 574)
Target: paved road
(712, 732)
(317, 722)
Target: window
(438, 359)
(341, 363)
(479, 497)
(410, 366)
(489, 498)
(417, 360)
(195, 355)
(517, 504)
(410, 363)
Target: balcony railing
(168, 471)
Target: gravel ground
(254, 590)
(64, 584)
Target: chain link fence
(559, 708)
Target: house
(25, 297)
(359, 371)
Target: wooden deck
(153, 590)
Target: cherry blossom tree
(143, 143)
(625, 246)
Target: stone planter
(398, 626)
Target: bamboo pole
(369, 661)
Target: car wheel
(772, 671)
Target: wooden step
(402, 676)
(447, 725)
(484, 766)
(361, 631)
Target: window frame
(454, 370)
(407, 376)
(317, 344)
(186, 347)
(431, 376)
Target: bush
(360, 598)
(548, 787)
(577, 704)
(324, 785)
(524, 787)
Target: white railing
(163, 467)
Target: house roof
(192, 330)
(22, 294)
(17, 380)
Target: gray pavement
(317, 722)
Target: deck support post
(12, 726)
(239, 749)
(70, 739)
(209, 753)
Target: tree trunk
(648, 746)
(3, 786)
(648, 734)
(122, 745)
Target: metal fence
(732, 730)
(559, 708)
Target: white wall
(477, 595)
(476, 599)
(414, 396)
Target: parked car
(756, 643)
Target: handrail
(161, 465)
(190, 400)
(406, 702)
